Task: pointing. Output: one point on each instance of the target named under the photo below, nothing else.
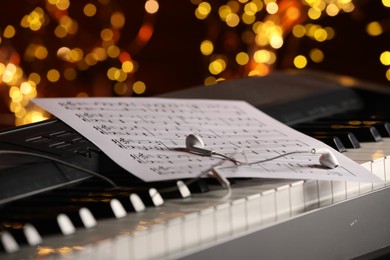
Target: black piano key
(45, 222)
(383, 127)
(99, 207)
(195, 186)
(362, 133)
(332, 141)
(167, 189)
(348, 139)
(181, 190)
(79, 216)
(149, 195)
(129, 200)
(23, 233)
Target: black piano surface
(304, 100)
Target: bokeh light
(121, 48)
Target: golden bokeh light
(217, 66)
(206, 47)
(272, 8)
(70, 74)
(203, 10)
(385, 58)
(300, 62)
(53, 75)
(120, 88)
(117, 20)
(151, 6)
(139, 87)
(240, 38)
(232, 20)
(374, 28)
(128, 66)
(89, 10)
(242, 58)
(9, 31)
(316, 55)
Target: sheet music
(146, 136)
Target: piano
(52, 211)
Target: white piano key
(352, 189)
(311, 194)
(282, 202)
(138, 245)
(325, 193)
(268, 207)
(120, 247)
(84, 253)
(190, 230)
(207, 225)
(222, 220)
(378, 168)
(365, 187)
(157, 242)
(174, 235)
(338, 191)
(253, 210)
(237, 215)
(103, 250)
(387, 169)
(297, 198)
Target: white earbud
(195, 144)
(327, 158)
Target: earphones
(327, 158)
(195, 144)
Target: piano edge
(351, 209)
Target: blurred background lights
(203, 10)
(300, 61)
(217, 66)
(272, 8)
(206, 47)
(374, 28)
(123, 48)
(89, 10)
(53, 75)
(9, 31)
(242, 58)
(117, 20)
(385, 58)
(151, 6)
(139, 87)
(316, 55)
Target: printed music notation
(147, 136)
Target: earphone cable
(50, 158)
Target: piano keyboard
(182, 227)
(258, 219)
